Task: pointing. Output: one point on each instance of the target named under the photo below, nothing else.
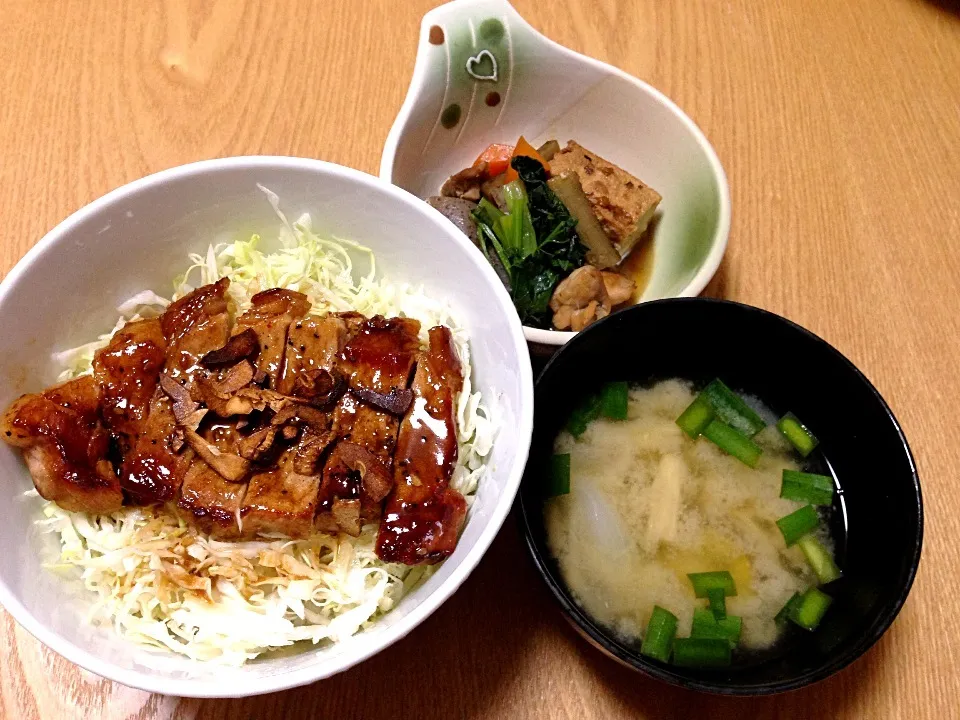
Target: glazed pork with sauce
(276, 422)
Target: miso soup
(646, 506)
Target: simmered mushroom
(306, 460)
(230, 467)
(258, 445)
(374, 477)
(185, 409)
(319, 386)
(394, 402)
(240, 346)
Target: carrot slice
(497, 157)
(527, 150)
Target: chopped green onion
(584, 415)
(732, 410)
(559, 475)
(718, 602)
(705, 625)
(807, 487)
(810, 609)
(786, 612)
(613, 400)
(733, 442)
(696, 417)
(797, 524)
(820, 559)
(701, 652)
(661, 630)
(706, 581)
(796, 432)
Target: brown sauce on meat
(380, 356)
(127, 371)
(423, 515)
(305, 424)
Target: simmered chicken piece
(423, 514)
(65, 446)
(588, 294)
(127, 371)
(466, 183)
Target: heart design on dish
(482, 66)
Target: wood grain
(838, 123)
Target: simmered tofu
(623, 204)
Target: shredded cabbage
(166, 585)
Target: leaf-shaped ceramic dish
(484, 75)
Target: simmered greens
(535, 240)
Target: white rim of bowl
(720, 235)
(143, 680)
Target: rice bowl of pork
(136, 239)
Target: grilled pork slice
(193, 326)
(127, 371)
(355, 482)
(154, 470)
(423, 515)
(313, 346)
(270, 316)
(378, 361)
(65, 447)
(380, 357)
(280, 500)
(212, 501)
(366, 426)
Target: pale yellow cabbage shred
(166, 585)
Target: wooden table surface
(838, 122)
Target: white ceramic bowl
(64, 291)
(472, 50)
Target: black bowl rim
(609, 645)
